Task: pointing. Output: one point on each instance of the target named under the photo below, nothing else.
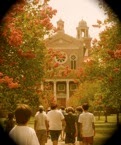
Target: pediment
(61, 39)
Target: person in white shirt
(21, 133)
(41, 125)
(39, 110)
(87, 126)
(55, 120)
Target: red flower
(13, 85)
(1, 74)
(56, 65)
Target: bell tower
(82, 30)
(83, 36)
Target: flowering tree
(22, 51)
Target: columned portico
(42, 86)
(62, 89)
(67, 90)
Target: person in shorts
(55, 121)
(41, 125)
(87, 127)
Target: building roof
(83, 23)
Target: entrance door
(61, 102)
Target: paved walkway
(49, 142)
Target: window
(83, 33)
(73, 61)
(61, 87)
(73, 87)
(61, 57)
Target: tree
(106, 59)
(104, 65)
(22, 52)
(110, 56)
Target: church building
(75, 51)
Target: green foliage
(85, 93)
(103, 66)
(22, 54)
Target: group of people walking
(68, 124)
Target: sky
(73, 11)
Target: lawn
(103, 130)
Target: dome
(83, 23)
(60, 21)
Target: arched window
(73, 59)
(82, 33)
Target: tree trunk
(106, 116)
(99, 115)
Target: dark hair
(79, 109)
(22, 114)
(85, 106)
(10, 115)
(41, 109)
(70, 109)
(62, 108)
(53, 106)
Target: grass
(102, 134)
(104, 130)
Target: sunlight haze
(73, 11)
